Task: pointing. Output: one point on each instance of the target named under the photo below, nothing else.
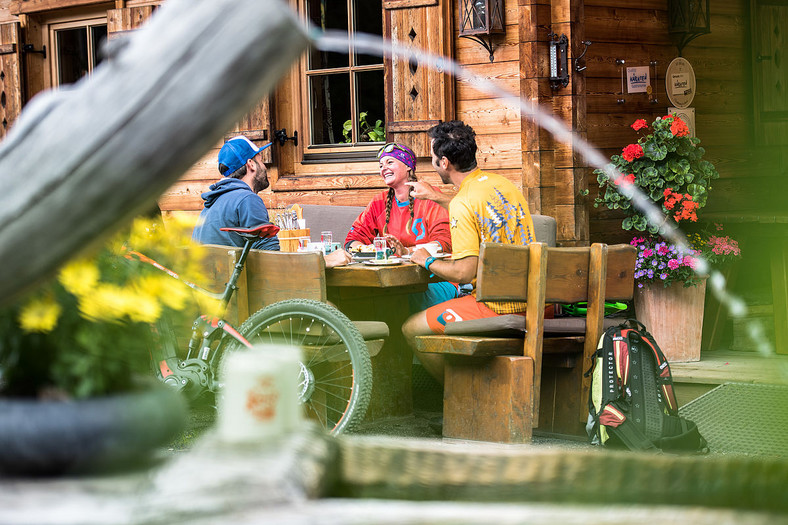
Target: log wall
(552, 178)
(637, 32)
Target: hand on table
(396, 245)
(419, 256)
(338, 257)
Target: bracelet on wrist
(427, 263)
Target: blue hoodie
(231, 203)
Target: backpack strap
(682, 435)
(663, 375)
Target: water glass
(380, 248)
(303, 244)
(327, 238)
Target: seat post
(231, 287)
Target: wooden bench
(501, 379)
(269, 277)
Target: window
(345, 90)
(76, 48)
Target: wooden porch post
(569, 104)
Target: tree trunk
(81, 161)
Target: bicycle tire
(339, 396)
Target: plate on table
(362, 256)
(383, 262)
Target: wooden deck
(724, 366)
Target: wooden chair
(269, 277)
(495, 368)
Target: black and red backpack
(631, 401)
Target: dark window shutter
(417, 97)
(126, 19)
(257, 127)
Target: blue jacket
(231, 203)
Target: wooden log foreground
(81, 161)
(309, 477)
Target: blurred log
(81, 161)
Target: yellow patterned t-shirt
(489, 208)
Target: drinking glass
(380, 248)
(303, 244)
(327, 238)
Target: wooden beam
(18, 7)
(94, 155)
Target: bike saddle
(262, 231)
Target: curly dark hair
(456, 141)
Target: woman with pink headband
(403, 220)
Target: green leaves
(668, 161)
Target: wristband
(427, 263)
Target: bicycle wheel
(336, 373)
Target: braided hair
(411, 202)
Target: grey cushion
(337, 219)
(508, 325)
(512, 325)
(544, 229)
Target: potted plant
(76, 389)
(666, 165)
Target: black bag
(631, 401)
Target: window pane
(369, 94)
(368, 19)
(72, 54)
(329, 97)
(327, 14)
(98, 35)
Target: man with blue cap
(233, 201)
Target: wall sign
(638, 79)
(680, 82)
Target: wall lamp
(687, 20)
(480, 19)
(559, 61)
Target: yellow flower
(39, 315)
(79, 277)
(107, 303)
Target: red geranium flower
(639, 124)
(679, 128)
(625, 180)
(632, 152)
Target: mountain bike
(335, 378)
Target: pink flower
(718, 227)
(673, 264)
(689, 261)
(648, 252)
(662, 250)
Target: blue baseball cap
(235, 152)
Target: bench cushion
(337, 219)
(513, 325)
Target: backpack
(631, 401)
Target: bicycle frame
(196, 373)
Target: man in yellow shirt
(486, 208)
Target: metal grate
(743, 418)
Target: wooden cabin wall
(637, 32)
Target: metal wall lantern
(559, 61)
(687, 20)
(480, 19)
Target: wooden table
(380, 293)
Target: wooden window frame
(71, 22)
(333, 153)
